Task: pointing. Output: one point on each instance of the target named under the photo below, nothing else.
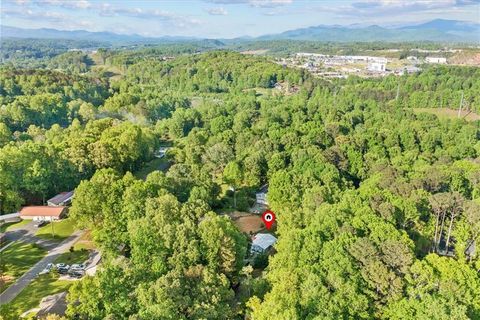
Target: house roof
(264, 240)
(44, 211)
(61, 197)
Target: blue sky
(225, 18)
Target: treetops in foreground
(358, 181)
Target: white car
(47, 269)
(77, 266)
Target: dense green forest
(360, 185)
(37, 52)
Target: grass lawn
(446, 113)
(9, 225)
(161, 164)
(85, 242)
(18, 259)
(31, 296)
(62, 230)
(76, 256)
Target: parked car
(47, 269)
(40, 223)
(77, 266)
(76, 273)
(63, 268)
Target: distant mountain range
(435, 30)
(439, 30)
(45, 33)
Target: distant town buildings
(439, 60)
(341, 66)
(376, 67)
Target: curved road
(12, 291)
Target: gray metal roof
(61, 197)
(264, 240)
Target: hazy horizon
(225, 18)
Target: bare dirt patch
(5, 281)
(247, 222)
(255, 52)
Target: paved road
(13, 290)
(26, 233)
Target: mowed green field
(16, 260)
(61, 230)
(10, 225)
(447, 113)
(31, 296)
(71, 257)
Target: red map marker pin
(268, 218)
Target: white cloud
(55, 19)
(31, 14)
(217, 11)
(269, 3)
(254, 3)
(107, 10)
(71, 4)
(371, 8)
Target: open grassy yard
(447, 113)
(71, 257)
(85, 242)
(31, 296)
(16, 260)
(10, 225)
(61, 230)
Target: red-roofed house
(42, 213)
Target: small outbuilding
(261, 195)
(45, 213)
(61, 199)
(262, 242)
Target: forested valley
(378, 206)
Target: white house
(262, 242)
(261, 195)
(44, 213)
(439, 60)
(377, 66)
